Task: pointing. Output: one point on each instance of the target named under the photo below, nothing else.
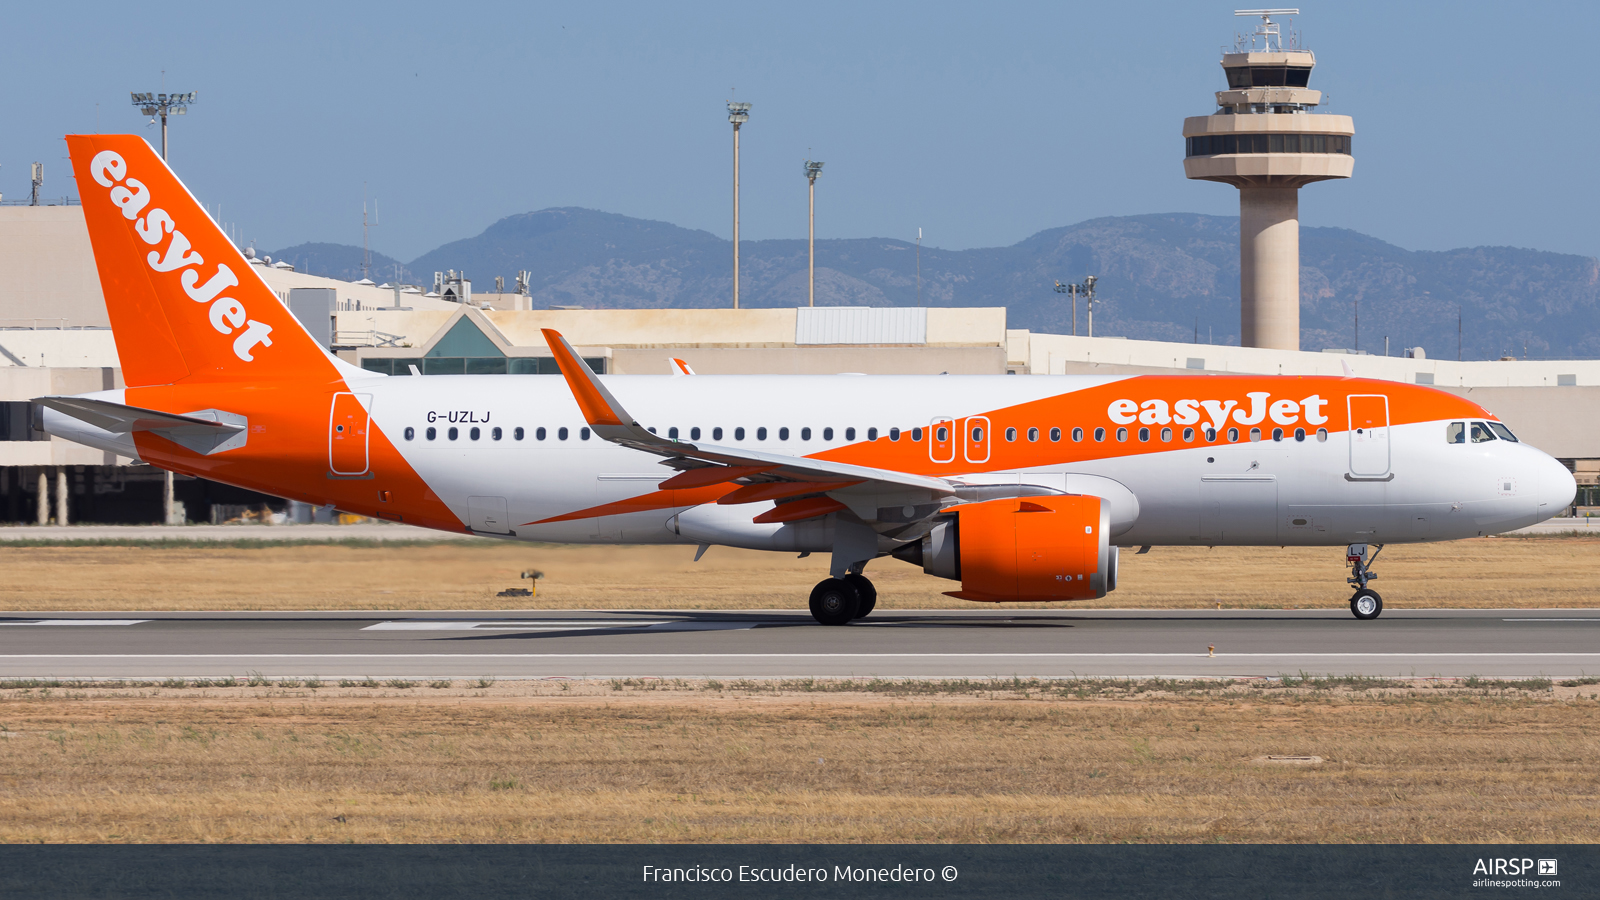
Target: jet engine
(1022, 549)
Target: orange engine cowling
(1031, 549)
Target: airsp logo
(1501, 866)
(227, 315)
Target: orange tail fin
(183, 302)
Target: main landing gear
(1366, 604)
(839, 601)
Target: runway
(786, 643)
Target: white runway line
(1590, 619)
(559, 625)
(51, 623)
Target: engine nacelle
(1023, 549)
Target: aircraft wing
(707, 464)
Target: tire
(1366, 604)
(834, 601)
(867, 594)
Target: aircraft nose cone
(1557, 488)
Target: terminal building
(1264, 138)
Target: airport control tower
(1265, 140)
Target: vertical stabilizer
(183, 302)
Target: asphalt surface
(767, 643)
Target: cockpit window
(1481, 432)
(1455, 433)
(1504, 432)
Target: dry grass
(1487, 572)
(598, 764)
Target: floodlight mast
(813, 169)
(162, 105)
(738, 114)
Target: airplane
(1022, 489)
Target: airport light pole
(738, 114)
(1087, 290)
(813, 169)
(162, 105)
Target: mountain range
(1161, 277)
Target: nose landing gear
(1366, 603)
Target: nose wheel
(1366, 604)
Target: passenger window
(1144, 434)
(916, 435)
(410, 432)
(1122, 434)
(1299, 434)
(474, 433)
(517, 433)
(1211, 434)
(1099, 434)
(583, 433)
(805, 434)
(894, 434)
(1166, 434)
(1277, 434)
(1480, 433)
(1255, 434)
(453, 433)
(738, 433)
(977, 434)
(872, 434)
(1077, 434)
(673, 432)
(432, 433)
(1455, 433)
(561, 433)
(827, 434)
(1504, 432)
(1011, 434)
(850, 434)
(941, 434)
(694, 433)
(783, 434)
(1322, 435)
(538, 433)
(496, 433)
(761, 433)
(1233, 434)
(1033, 434)
(1188, 435)
(716, 433)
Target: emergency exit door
(1369, 435)
(347, 434)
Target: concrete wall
(813, 360)
(47, 268)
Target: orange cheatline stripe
(643, 503)
(694, 478)
(580, 380)
(796, 510)
(777, 490)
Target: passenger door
(347, 434)
(1369, 435)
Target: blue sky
(981, 123)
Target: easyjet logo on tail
(1189, 412)
(227, 315)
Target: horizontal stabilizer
(205, 431)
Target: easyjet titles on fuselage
(1190, 412)
(227, 315)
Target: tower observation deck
(1265, 140)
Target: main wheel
(1366, 604)
(834, 602)
(867, 594)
